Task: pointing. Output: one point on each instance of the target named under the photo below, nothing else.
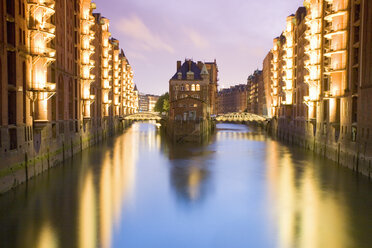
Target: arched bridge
(144, 116)
(241, 117)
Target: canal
(242, 189)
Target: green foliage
(166, 105)
(162, 105)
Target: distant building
(143, 103)
(193, 91)
(233, 99)
(256, 94)
(147, 102)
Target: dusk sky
(156, 33)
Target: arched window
(193, 87)
(187, 87)
(198, 87)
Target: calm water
(240, 190)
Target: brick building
(147, 102)
(233, 99)
(320, 80)
(64, 83)
(256, 93)
(192, 91)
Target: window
(12, 107)
(182, 88)
(176, 88)
(193, 87)
(13, 138)
(20, 37)
(24, 85)
(198, 87)
(187, 87)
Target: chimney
(189, 65)
(178, 65)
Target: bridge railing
(241, 117)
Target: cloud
(143, 38)
(197, 39)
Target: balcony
(334, 50)
(46, 28)
(332, 30)
(44, 52)
(333, 13)
(46, 5)
(287, 89)
(334, 69)
(88, 21)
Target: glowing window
(187, 88)
(193, 87)
(198, 87)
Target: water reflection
(241, 189)
(307, 215)
(190, 179)
(90, 191)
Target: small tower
(204, 73)
(190, 75)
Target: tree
(162, 105)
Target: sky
(154, 34)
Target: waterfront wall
(46, 150)
(353, 155)
(189, 131)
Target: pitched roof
(184, 69)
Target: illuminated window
(187, 88)
(198, 87)
(193, 87)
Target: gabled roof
(184, 69)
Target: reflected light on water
(194, 182)
(241, 189)
(116, 184)
(47, 237)
(306, 215)
(87, 213)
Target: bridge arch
(241, 117)
(143, 116)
